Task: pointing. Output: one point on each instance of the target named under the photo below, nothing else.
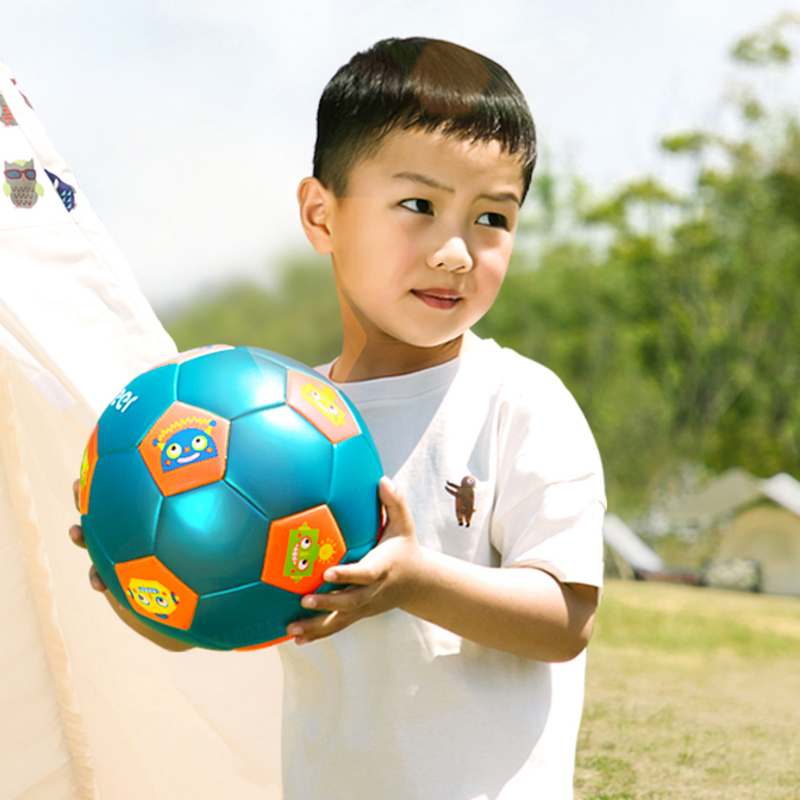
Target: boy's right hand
(76, 534)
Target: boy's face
(420, 243)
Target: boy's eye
(418, 205)
(493, 220)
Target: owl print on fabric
(6, 117)
(65, 191)
(21, 186)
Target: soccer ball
(219, 486)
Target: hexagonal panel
(279, 461)
(135, 408)
(248, 616)
(213, 537)
(353, 497)
(190, 355)
(300, 548)
(186, 448)
(322, 406)
(156, 593)
(232, 383)
(87, 471)
(124, 505)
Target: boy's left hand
(386, 578)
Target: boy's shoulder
(512, 373)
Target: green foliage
(768, 45)
(672, 318)
(680, 336)
(299, 318)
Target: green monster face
(302, 552)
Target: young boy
(489, 569)
(462, 676)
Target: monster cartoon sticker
(21, 185)
(152, 597)
(190, 444)
(464, 494)
(326, 400)
(303, 552)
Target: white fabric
(88, 708)
(395, 707)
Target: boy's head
(418, 83)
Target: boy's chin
(430, 343)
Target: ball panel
(301, 547)
(197, 352)
(87, 472)
(231, 383)
(186, 448)
(126, 520)
(282, 361)
(212, 537)
(103, 563)
(322, 406)
(156, 593)
(279, 462)
(353, 496)
(247, 616)
(136, 408)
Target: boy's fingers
(347, 600)
(362, 572)
(76, 492)
(76, 534)
(319, 627)
(96, 580)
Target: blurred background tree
(670, 316)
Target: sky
(189, 123)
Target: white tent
(626, 544)
(88, 707)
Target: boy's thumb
(397, 510)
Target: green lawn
(691, 693)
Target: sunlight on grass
(693, 694)
(696, 620)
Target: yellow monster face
(324, 399)
(152, 597)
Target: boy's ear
(315, 205)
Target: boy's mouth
(438, 298)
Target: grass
(691, 693)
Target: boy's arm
(523, 611)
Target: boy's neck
(367, 360)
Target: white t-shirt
(396, 707)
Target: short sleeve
(550, 498)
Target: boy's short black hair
(431, 84)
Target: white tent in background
(626, 545)
(756, 520)
(88, 707)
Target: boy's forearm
(523, 611)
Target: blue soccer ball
(218, 487)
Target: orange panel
(156, 593)
(322, 406)
(264, 644)
(186, 448)
(87, 472)
(300, 548)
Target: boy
(464, 675)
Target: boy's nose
(453, 255)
